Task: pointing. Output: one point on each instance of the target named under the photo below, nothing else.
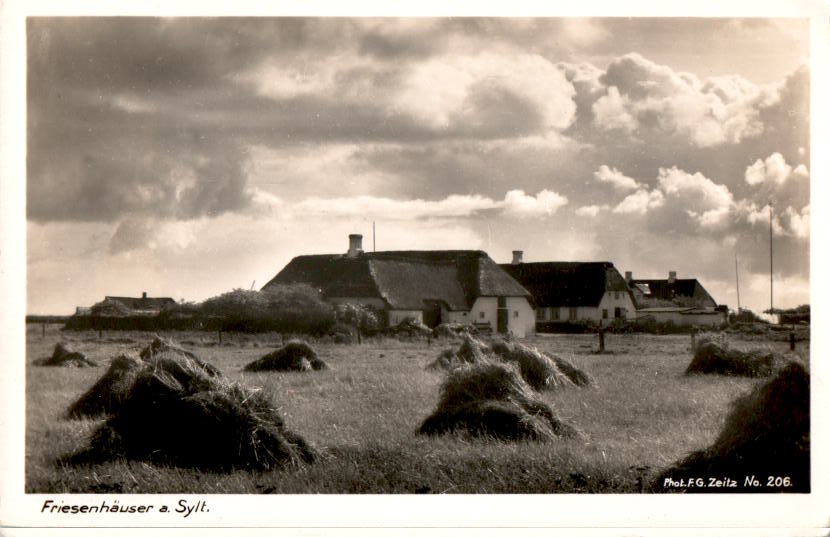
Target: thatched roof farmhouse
(433, 286)
(573, 291)
(679, 300)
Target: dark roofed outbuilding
(573, 291)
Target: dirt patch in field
(176, 411)
(492, 399)
(767, 433)
(65, 356)
(293, 356)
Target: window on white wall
(572, 314)
(555, 314)
(515, 314)
(540, 314)
(481, 315)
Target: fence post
(602, 340)
(43, 330)
(220, 336)
(792, 341)
(99, 333)
(694, 343)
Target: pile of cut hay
(409, 327)
(106, 394)
(176, 413)
(767, 433)
(452, 330)
(293, 356)
(471, 351)
(540, 370)
(64, 356)
(491, 399)
(160, 345)
(713, 357)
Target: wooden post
(359, 337)
(792, 341)
(43, 329)
(99, 333)
(694, 343)
(220, 335)
(601, 340)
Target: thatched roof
(404, 279)
(658, 292)
(567, 284)
(143, 303)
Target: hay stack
(471, 351)
(64, 356)
(169, 348)
(537, 369)
(767, 433)
(177, 413)
(105, 396)
(712, 357)
(410, 327)
(453, 330)
(491, 399)
(293, 356)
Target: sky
(186, 157)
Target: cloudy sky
(187, 157)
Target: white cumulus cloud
(616, 178)
(545, 203)
(773, 169)
(590, 210)
(640, 202)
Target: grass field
(641, 415)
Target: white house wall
(462, 317)
(521, 317)
(584, 313)
(484, 311)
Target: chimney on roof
(355, 245)
(672, 276)
(628, 276)
(144, 294)
(517, 257)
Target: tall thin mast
(737, 283)
(374, 245)
(770, 258)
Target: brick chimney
(517, 257)
(355, 245)
(672, 276)
(628, 276)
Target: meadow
(641, 415)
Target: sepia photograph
(464, 255)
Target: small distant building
(682, 301)
(432, 286)
(573, 291)
(125, 305)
